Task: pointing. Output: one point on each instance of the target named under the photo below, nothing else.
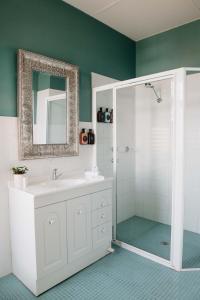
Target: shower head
(149, 85)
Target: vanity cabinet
(54, 235)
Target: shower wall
(153, 152)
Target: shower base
(154, 237)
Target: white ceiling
(139, 19)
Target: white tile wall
(143, 173)
(104, 149)
(153, 153)
(41, 167)
(150, 162)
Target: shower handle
(112, 160)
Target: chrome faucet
(55, 176)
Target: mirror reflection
(49, 100)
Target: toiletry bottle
(91, 137)
(111, 116)
(100, 115)
(83, 137)
(107, 116)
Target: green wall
(42, 81)
(179, 47)
(55, 29)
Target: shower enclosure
(152, 151)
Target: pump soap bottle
(83, 137)
(91, 137)
(100, 115)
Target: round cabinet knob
(102, 216)
(52, 221)
(103, 204)
(79, 212)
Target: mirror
(48, 107)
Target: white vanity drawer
(101, 199)
(102, 235)
(101, 216)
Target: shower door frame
(178, 77)
(195, 70)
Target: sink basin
(63, 182)
(68, 182)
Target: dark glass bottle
(100, 115)
(91, 137)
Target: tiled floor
(149, 236)
(122, 275)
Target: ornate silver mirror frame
(27, 63)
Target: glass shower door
(191, 237)
(144, 192)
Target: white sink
(63, 182)
(69, 182)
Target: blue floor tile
(119, 276)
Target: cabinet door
(79, 235)
(50, 238)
